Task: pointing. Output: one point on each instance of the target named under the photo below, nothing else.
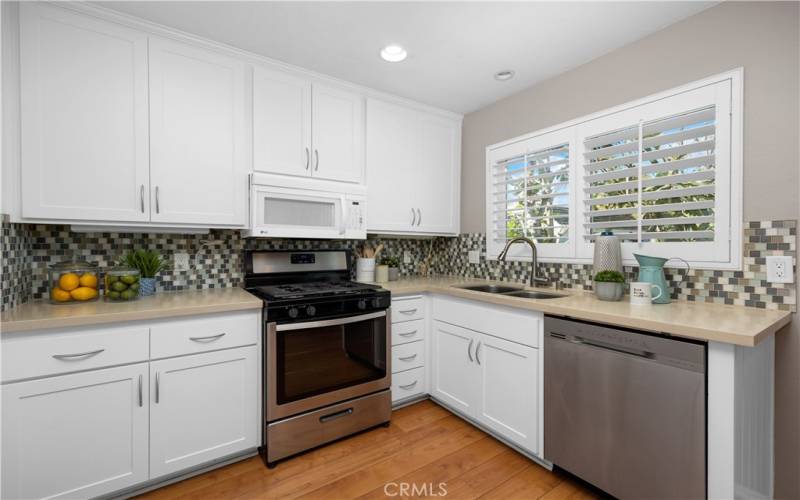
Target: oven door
(318, 363)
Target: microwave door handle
(343, 222)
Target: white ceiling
(454, 47)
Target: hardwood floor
(426, 446)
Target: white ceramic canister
(365, 270)
(381, 274)
(607, 253)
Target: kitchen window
(662, 173)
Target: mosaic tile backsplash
(216, 261)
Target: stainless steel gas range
(326, 349)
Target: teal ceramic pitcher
(651, 270)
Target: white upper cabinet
(306, 129)
(413, 170)
(198, 158)
(281, 123)
(338, 134)
(83, 118)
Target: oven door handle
(329, 322)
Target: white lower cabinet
(508, 400)
(75, 436)
(492, 380)
(109, 428)
(203, 407)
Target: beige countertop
(744, 326)
(41, 315)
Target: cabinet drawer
(407, 309)
(408, 331)
(408, 384)
(53, 352)
(408, 356)
(509, 323)
(204, 333)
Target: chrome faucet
(533, 278)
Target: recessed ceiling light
(393, 53)
(504, 75)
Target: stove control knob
(293, 312)
(311, 310)
(362, 304)
(376, 302)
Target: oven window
(318, 360)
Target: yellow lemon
(68, 281)
(83, 293)
(89, 279)
(59, 295)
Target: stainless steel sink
(528, 294)
(491, 288)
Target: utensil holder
(365, 270)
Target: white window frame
(554, 251)
(725, 91)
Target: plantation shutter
(530, 196)
(653, 181)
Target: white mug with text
(642, 293)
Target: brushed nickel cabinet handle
(78, 355)
(413, 218)
(469, 349)
(408, 386)
(158, 386)
(477, 351)
(209, 338)
(158, 206)
(409, 311)
(408, 358)
(308, 158)
(141, 402)
(408, 334)
(316, 160)
(141, 198)
(419, 217)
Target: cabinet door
(281, 123)
(455, 376)
(203, 407)
(392, 173)
(509, 390)
(198, 137)
(75, 436)
(338, 134)
(437, 194)
(83, 117)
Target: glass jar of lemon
(73, 281)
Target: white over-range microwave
(285, 207)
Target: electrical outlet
(406, 257)
(181, 261)
(474, 257)
(779, 269)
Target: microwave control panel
(355, 215)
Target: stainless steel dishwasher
(625, 410)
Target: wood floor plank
(425, 445)
(404, 461)
(441, 471)
(532, 482)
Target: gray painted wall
(764, 38)
(760, 36)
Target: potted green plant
(609, 285)
(149, 263)
(394, 267)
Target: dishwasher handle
(600, 345)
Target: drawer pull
(78, 355)
(210, 338)
(408, 334)
(408, 358)
(334, 416)
(409, 311)
(409, 386)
